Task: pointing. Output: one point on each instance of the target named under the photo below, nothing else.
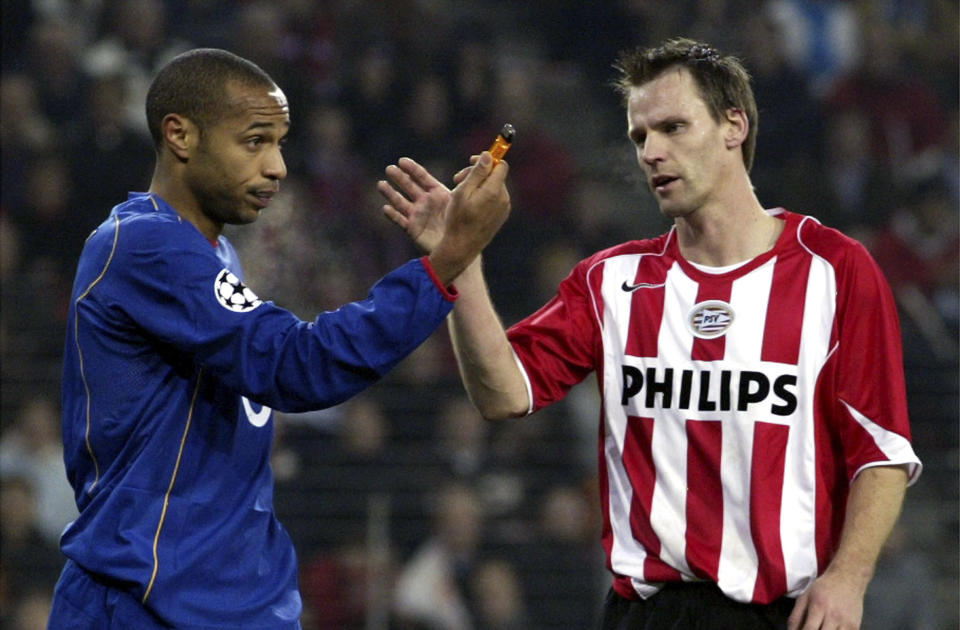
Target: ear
(737, 127)
(179, 135)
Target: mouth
(262, 198)
(660, 183)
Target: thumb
(477, 174)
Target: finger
(393, 197)
(418, 174)
(478, 173)
(402, 181)
(810, 619)
(498, 175)
(494, 184)
(461, 174)
(396, 216)
(797, 614)
(815, 621)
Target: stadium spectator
(32, 448)
(432, 588)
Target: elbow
(498, 415)
(499, 398)
(495, 410)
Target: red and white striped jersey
(736, 406)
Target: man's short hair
(194, 85)
(722, 80)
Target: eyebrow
(664, 121)
(264, 124)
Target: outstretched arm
(418, 203)
(485, 357)
(835, 600)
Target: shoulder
(590, 270)
(650, 246)
(145, 239)
(851, 262)
(144, 218)
(148, 229)
(826, 242)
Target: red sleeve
(866, 370)
(557, 344)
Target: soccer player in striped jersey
(754, 441)
(172, 366)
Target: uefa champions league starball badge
(233, 295)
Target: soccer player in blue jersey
(172, 365)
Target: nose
(652, 150)
(274, 166)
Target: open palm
(416, 201)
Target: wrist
(855, 576)
(446, 263)
(471, 279)
(448, 290)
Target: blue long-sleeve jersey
(171, 369)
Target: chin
(247, 214)
(234, 212)
(672, 211)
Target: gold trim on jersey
(76, 340)
(166, 497)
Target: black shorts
(693, 606)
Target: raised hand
(453, 226)
(416, 201)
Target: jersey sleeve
(191, 299)
(556, 345)
(868, 370)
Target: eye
(254, 142)
(673, 127)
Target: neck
(172, 189)
(727, 232)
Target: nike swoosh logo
(630, 288)
(256, 418)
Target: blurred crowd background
(408, 510)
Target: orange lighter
(502, 144)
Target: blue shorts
(83, 602)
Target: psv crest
(710, 319)
(233, 294)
